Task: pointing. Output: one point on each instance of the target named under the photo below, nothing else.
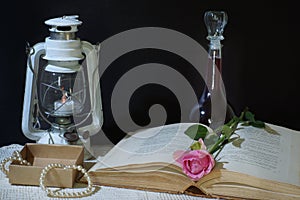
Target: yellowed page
(265, 155)
(150, 145)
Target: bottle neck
(214, 68)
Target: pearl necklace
(52, 193)
(16, 156)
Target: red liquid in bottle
(213, 79)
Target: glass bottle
(215, 22)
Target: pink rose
(195, 163)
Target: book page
(150, 145)
(265, 155)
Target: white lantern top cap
(64, 21)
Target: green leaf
(249, 116)
(218, 130)
(195, 146)
(196, 131)
(270, 130)
(245, 124)
(237, 142)
(258, 124)
(235, 119)
(211, 139)
(227, 131)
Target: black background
(260, 52)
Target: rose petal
(203, 147)
(178, 155)
(196, 163)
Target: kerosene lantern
(62, 101)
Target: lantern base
(57, 138)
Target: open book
(263, 166)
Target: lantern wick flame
(64, 95)
(64, 98)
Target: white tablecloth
(17, 192)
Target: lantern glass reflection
(62, 90)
